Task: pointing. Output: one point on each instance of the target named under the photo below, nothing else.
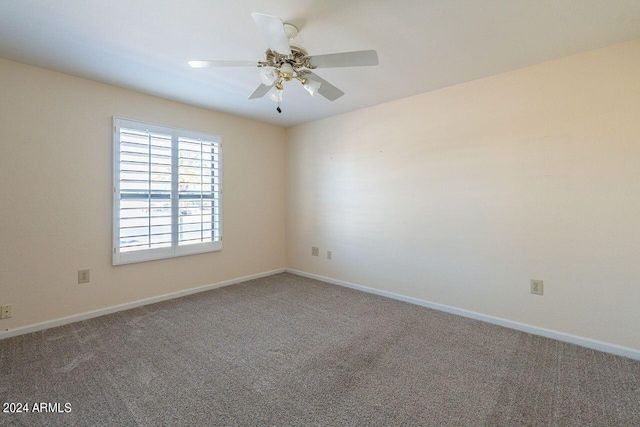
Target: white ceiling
(423, 45)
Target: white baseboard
(126, 306)
(535, 330)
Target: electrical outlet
(537, 287)
(83, 276)
(315, 251)
(6, 311)
(329, 254)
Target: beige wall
(56, 174)
(462, 195)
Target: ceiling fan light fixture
(268, 76)
(286, 71)
(311, 86)
(275, 95)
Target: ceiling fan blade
(261, 91)
(273, 31)
(346, 59)
(206, 64)
(326, 89)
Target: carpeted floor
(287, 350)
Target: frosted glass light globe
(268, 76)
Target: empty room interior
(333, 213)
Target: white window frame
(175, 250)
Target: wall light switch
(315, 251)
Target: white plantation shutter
(145, 190)
(166, 192)
(199, 187)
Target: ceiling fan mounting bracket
(291, 31)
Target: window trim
(175, 250)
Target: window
(166, 192)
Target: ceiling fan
(284, 62)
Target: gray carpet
(286, 350)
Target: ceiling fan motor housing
(299, 58)
(298, 62)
